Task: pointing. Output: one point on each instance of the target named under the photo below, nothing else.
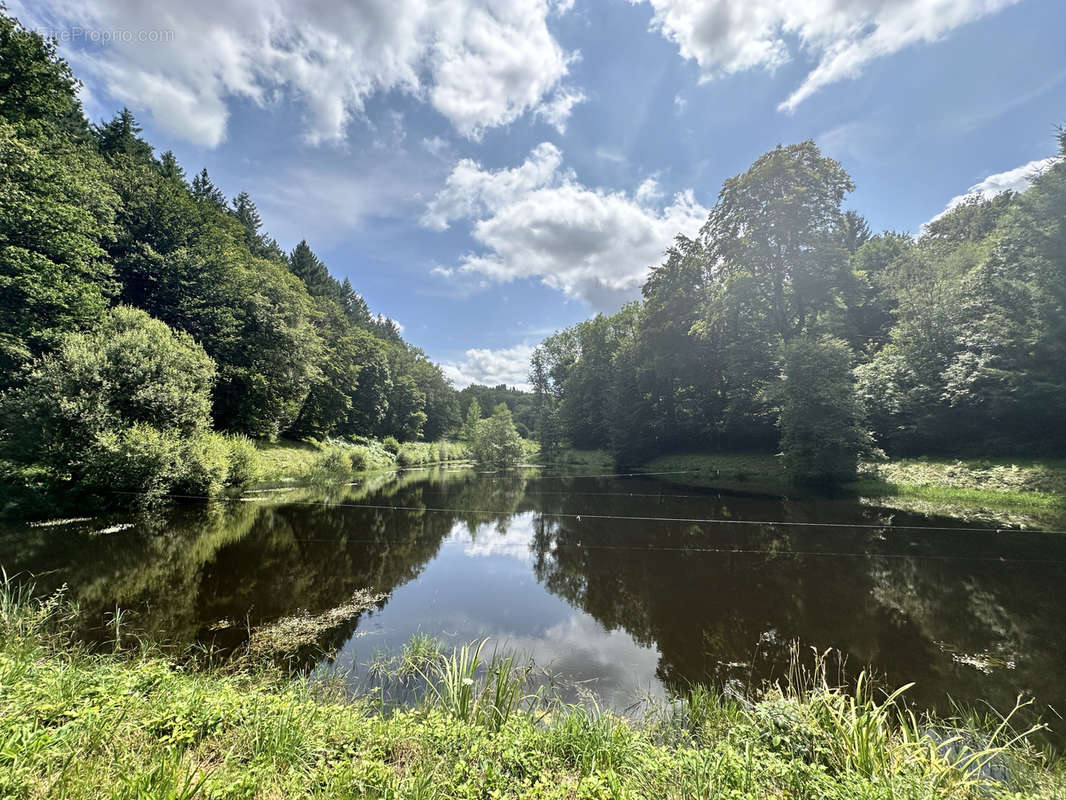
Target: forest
(788, 326)
(149, 325)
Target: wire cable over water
(636, 518)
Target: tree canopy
(788, 326)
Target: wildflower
(468, 681)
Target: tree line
(787, 325)
(102, 241)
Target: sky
(489, 171)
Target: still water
(617, 584)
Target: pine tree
(170, 168)
(305, 265)
(203, 189)
(248, 215)
(119, 137)
(355, 307)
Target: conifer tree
(119, 137)
(205, 190)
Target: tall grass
(476, 691)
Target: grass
(751, 472)
(335, 460)
(133, 724)
(413, 454)
(970, 488)
(570, 457)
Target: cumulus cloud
(1015, 180)
(538, 221)
(508, 365)
(725, 37)
(480, 63)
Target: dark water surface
(629, 605)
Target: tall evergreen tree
(170, 168)
(305, 265)
(204, 190)
(120, 137)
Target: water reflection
(622, 605)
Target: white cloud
(481, 63)
(1015, 180)
(488, 541)
(557, 111)
(537, 220)
(436, 147)
(491, 367)
(725, 36)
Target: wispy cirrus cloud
(1014, 180)
(725, 37)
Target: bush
(205, 465)
(496, 442)
(333, 464)
(122, 407)
(245, 463)
(359, 459)
(138, 460)
(390, 444)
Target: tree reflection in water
(971, 614)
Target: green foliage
(245, 464)
(138, 725)
(125, 409)
(38, 91)
(822, 435)
(333, 464)
(131, 370)
(140, 461)
(471, 421)
(958, 335)
(206, 466)
(89, 215)
(523, 404)
(55, 212)
(496, 442)
(412, 454)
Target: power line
(580, 545)
(634, 518)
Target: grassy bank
(1037, 487)
(135, 725)
(570, 459)
(300, 461)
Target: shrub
(496, 442)
(245, 463)
(110, 406)
(359, 459)
(390, 444)
(139, 460)
(205, 465)
(334, 463)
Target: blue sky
(488, 171)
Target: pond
(627, 586)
